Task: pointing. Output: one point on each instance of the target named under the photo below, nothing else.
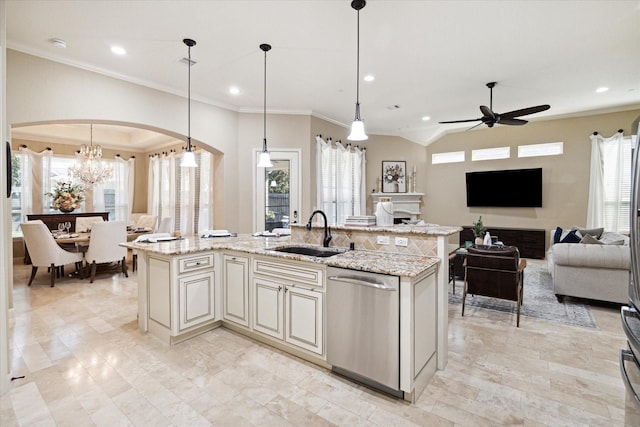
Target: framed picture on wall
(394, 176)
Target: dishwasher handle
(362, 282)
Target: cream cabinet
(181, 292)
(304, 318)
(235, 293)
(288, 303)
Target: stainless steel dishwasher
(363, 327)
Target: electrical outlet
(382, 240)
(402, 241)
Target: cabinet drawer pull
(302, 287)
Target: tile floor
(85, 363)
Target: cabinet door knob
(279, 288)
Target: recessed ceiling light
(369, 78)
(234, 90)
(58, 43)
(426, 118)
(602, 89)
(118, 50)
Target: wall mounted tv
(513, 188)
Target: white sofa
(598, 271)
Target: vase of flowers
(66, 197)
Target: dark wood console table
(529, 241)
(52, 220)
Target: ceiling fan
(490, 118)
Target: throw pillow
(589, 239)
(611, 238)
(595, 232)
(571, 238)
(557, 235)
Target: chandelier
(89, 167)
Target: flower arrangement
(394, 173)
(66, 196)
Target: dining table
(80, 241)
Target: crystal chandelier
(89, 167)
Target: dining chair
(104, 246)
(45, 252)
(84, 223)
(147, 222)
(165, 225)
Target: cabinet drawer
(195, 263)
(293, 271)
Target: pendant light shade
(265, 159)
(357, 127)
(188, 157)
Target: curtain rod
(330, 141)
(619, 131)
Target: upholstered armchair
(45, 252)
(83, 223)
(494, 271)
(104, 246)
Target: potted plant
(478, 229)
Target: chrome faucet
(327, 229)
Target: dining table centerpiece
(66, 196)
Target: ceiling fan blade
(509, 121)
(462, 121)
(525, 111)
(473, 127)
(487, 112)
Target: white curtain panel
(36, 180)
(605, 182)
(183, 194)
(205, 207)
(341, 180)
(123, 181)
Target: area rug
(539, 300)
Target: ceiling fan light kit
(490, 117)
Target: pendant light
(188, 157)
(265, 160)
(357, 127)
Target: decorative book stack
(360, 221)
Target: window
(35, 174)
(450, 157)
(617, 187)
(340, 180)
(183, 194)
(491, 153)
(535, 150)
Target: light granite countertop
(362, 260)
(430, 229)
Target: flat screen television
(513, 188)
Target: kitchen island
(191, 285)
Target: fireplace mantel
(404, 204)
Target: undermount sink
(305, 250)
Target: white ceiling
(429, 58)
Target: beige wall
(284, 131)
(42, 91)
(379, 148)
(565, 177)
(39, 90)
